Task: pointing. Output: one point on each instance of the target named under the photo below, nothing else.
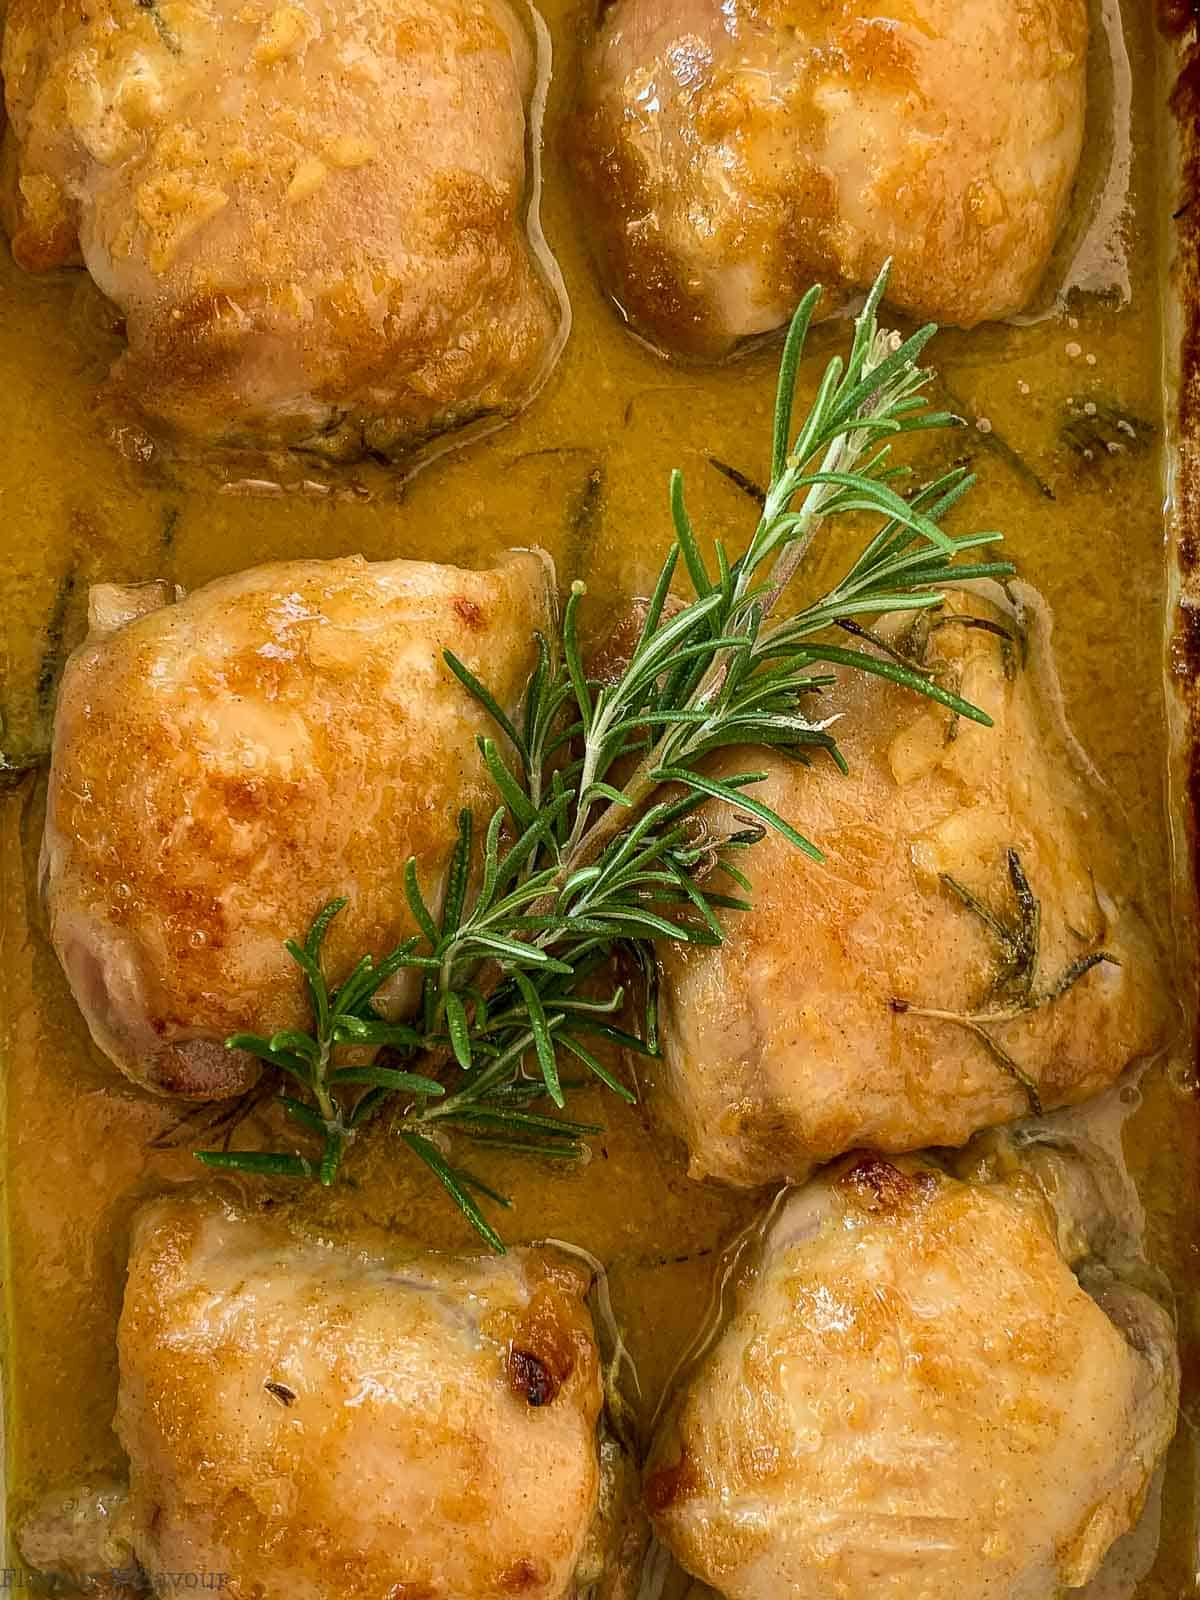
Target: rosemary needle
(594, 848)
(1018, 988)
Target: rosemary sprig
(595, 850)
(1018, 988)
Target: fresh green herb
(1017, 988)
(595, 850)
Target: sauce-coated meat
(788, 1044)
(914, 1396)
(733, 152)
(312, 214)
(225, 766)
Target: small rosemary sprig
(1018, 988)
(595, 850)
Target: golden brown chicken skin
(312, 215)
(319, 1419)
(225, 766)
(734, 152)
(914, 1396)
(802, 1037)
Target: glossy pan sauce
(583, 473)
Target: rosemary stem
(791, 558)
(979, 1019)
(579, 862)
(641, 784)
(321, 1091)
(611, 821)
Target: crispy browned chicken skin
(224, 766)
(323, 1420)
(914, 1396)
(312, 214)
(784, 1047)
(734, 152)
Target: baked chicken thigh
(225, 766)
(734, 152)
(962, 957)
(314, 1420)
(311, 214)
(914, 1396)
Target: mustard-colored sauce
(583, 473)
